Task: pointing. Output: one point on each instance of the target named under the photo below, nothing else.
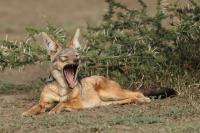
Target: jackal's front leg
(71, 105)
(38, 108)
(48, 99)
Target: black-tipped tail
(159, 92)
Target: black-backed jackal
(66, 93)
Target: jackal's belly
(89, 97)
(98, 91)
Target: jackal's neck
(59, 77)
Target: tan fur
(90, 92)
(98, 91)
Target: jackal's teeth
(76, 74)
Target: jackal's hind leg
(121, 96)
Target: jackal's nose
(76, 61)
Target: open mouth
(70, 73)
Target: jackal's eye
(77, 56)
(63, 58)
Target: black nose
(76, 61)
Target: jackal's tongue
(69, 74)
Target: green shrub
(128, 45)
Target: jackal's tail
(156, 92)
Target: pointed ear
(74, 43)
(52, 47)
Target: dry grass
(180, 114)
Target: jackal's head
(65, 60)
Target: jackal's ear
(52, 46)
(74, 43)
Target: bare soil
(179, 114)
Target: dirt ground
(179, 114)
(172, 115)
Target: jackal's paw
(147, 100)
(26, 114)
(53, 112)
(144, 100)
